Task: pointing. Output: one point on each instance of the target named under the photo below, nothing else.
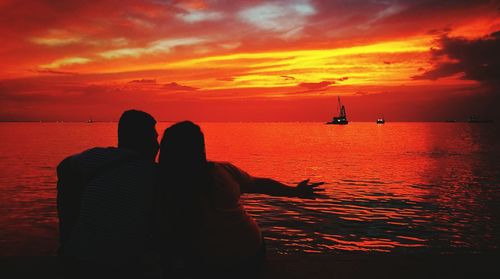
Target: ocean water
(398, 187)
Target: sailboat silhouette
(342, 118)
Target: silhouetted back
(105, 202)
(205, 221)
(185, 175)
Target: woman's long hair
(185, 175)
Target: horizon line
(242, 121)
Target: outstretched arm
(269, 186)
(261, 185)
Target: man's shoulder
(100, 152)
(93, 159)
(90, 152)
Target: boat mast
(338, 106)
(341, 110)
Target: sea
(399, 187)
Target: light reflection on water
(398, 187)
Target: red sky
(249, 60)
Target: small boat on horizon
(473, 119)
(381, 120)
(342, 118)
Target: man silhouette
(105, 202)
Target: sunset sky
(249, 60)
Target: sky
(250, 60)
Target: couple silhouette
(122, 215)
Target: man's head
(136, 131)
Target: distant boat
(380, 120)
(473, 119)
(90, 120)
(342, 118)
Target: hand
(308, 190)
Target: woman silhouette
(202, 216)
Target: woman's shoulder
(227, 166)
(235, 172)
(220, 164)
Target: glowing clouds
(233, 50)
(363, 64)
(286, 18)
(159, 46)
(66, 62)
(55, 41)
(196, 16)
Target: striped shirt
(114, 224)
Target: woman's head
(183, 147)
(184, 170)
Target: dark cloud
(288, 78)
(343, 79)
(389, 18)
(49, 99)
(38, 91)
(442, 31)
(48, 71)
(174, 86)
(316, 86)
(143, 81)
(477, 59)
